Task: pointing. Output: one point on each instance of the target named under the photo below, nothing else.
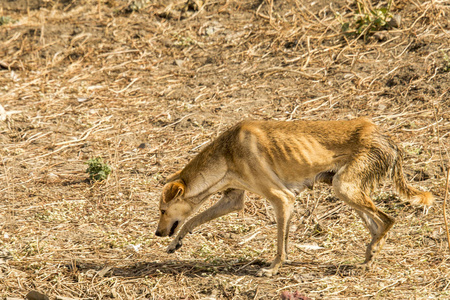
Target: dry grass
(87, 78)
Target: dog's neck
(202, 184)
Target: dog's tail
(408, 192)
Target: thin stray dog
(275, 159)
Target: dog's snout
(158, 233)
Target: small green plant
(98, 170)
(137, 5)
(368, 20)
(185, 41)
(6, 20)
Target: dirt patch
(145, 84)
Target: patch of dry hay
(89, 79)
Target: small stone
(104, 271)
(52, 177)
(114, 293)
(5, 255)
(142, 146)
(2, 113)
(285, 295)
(135, 248)
(179, 62)
(35, 295)
(396, 21)
(380, 36)
(167, 42)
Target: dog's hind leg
(379, 235)
(376, 221)
(232, 200)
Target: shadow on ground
(197, 268)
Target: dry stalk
(447, 176)
(444, 207)
(99, 9)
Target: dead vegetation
(145, 85)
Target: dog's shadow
(190, 268)
(201, 268)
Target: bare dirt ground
(81, 79)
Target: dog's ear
(172, 190)
(173, 177)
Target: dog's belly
(298, 187)
(301, 185)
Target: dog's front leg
(284, 206)
(232, 200)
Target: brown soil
(83, 78)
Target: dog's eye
(163, 212)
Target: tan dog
(273, 159)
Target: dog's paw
(267, 272)
(174, 246)
(364, 266)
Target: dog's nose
(158, 233)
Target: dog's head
(174, 209)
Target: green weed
(137, 5)
(6, 20)
(98, 170)
(368, 20)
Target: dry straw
(96, 79)
(444, 207)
